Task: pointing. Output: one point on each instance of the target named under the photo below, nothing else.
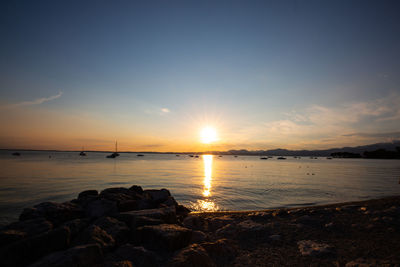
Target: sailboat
(82, 152)
(115, 154)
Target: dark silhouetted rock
(31, 227)
(168, 237)
(94, 234)
(57, 213)
(167, 215)
(101, 207)
(195, 223)
(194, 256)
(198, 237)
(86, 255)
(88, 193)
(137, 189)
(116, 229)
(76, 226)
(218, 222)
(9, 236)
(30, 249)
(119, 264)
(221, 251)
(139, 256)
(312, 248)
(157, 196)
(118, 194)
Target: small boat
(236, 156)
(328, 158)
(191, 156)
(196, 156)
(140, 155)
(177, 155)
(270, 157)
(281, 158)
(16, 154)
(220, 156)
(115, 154)
(82, 153)
(263, 158)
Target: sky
(153, 74)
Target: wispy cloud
(165, 110)
(34, 102)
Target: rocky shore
(136, 227)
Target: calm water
(205, 183)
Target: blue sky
(293, 74)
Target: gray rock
(101, 207)
(139, 256)
(194, 256)
(30, 249)
(312, 248)
(167, 237)
(86, 255)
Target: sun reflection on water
(206, 204)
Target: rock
(194, 256)
(157, 196)
(31, 227)
(143, 220)
(101, 207)
(119, 194)
(128, 205)
(218, 222)
(56, 213)
(198, 237)
(168, 237)
(139, 256)
(116, 229)
(137, 189)
(170, 201)
(312, 248)
(76, 226)
(119, 264)
(182, 211)
(307, 221)
(30, 249)
(361, 262)
(88, 193)
(247, 229)
(194, 222)
(86, 255)
(10, 236)
(221, 251)
(94, 234)
(275, 237)
(166, 215)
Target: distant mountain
(318, 153)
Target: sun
(208, 135)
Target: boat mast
(115, 146)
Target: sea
(203, 183)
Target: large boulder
(221, 251)
(166, 215)
(86, 255)
(167, 237)
(57, 213)
(94, 234)
(139, 256)
(118, 194)
(316, 249)
(157, 196)
(194, 256)
(115, 228)
(30, 249)
(101, 207)
(76, 226)
(19, 230)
